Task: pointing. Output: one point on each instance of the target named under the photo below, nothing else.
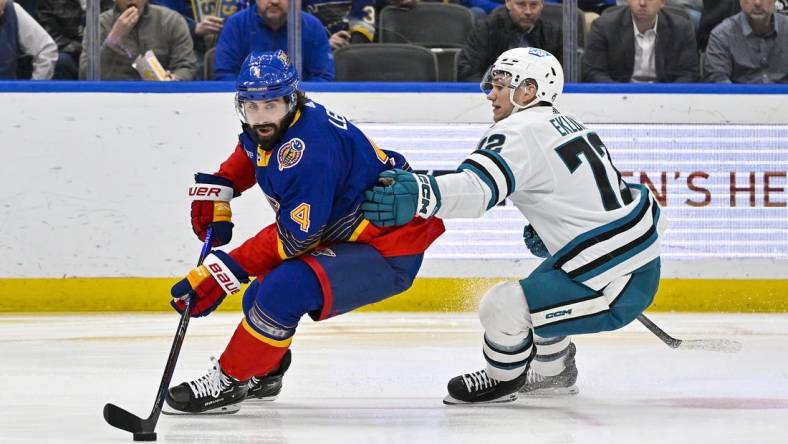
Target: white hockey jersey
(560, 176)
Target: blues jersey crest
(290, 153)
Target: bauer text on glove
(211, 196)
(218, 276)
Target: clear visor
(497, 78)
(261, 112)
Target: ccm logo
(204, 191)
(425, 194)
(559, 313)
(224, 280)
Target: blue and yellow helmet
(266, 75)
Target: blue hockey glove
(534, 242)
(401, 196)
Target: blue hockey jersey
(314, 179)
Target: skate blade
(263, 400)
(449, 400)
(551, 392)
(224, 410)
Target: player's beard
(274, 134)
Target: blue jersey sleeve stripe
(485, 176)
(499, 161)
(292, 245)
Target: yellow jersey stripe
(359, 229)
(276, 343)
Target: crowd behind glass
(665, 41)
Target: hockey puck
(145, 436)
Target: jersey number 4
(595, 152)
(300, 215)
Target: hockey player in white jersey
(599, 235)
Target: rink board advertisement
(722, 188)
(97, 194)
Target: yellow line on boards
(426, 295)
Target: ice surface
(380, 378)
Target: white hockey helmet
(527, 65)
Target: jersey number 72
(595, 152)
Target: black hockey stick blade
(122, 419)
(143, 429)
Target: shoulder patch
(290, 153)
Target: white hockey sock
(506, 362)
(508, 340)
(550, 354)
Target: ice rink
(380, 378)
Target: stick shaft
(180, 334)
(714, 345)
(660, 333)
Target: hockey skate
(266, 388)
(479, 388)
(215, 393)
(537, 385)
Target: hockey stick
(143, 429)
(718, 345)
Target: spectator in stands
(205, 31)
(693, 8)
(488, 6)
(715, 11)
(133, 27)
(641, 42)
(64, 20)
(750, 47)
(346, 21)
(263, 27)
(519, 24)
(21, 34)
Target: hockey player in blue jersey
(319, 257)
(598, 234)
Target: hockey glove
(401, 196)
(211, 207)
(534, 242)
(218, 276)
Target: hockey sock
(507, 357)
(251, 354)
(550, 355)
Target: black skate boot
(265, 388)
(479, 388)
(537, 385)
(215, 393)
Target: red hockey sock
(251, 354)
